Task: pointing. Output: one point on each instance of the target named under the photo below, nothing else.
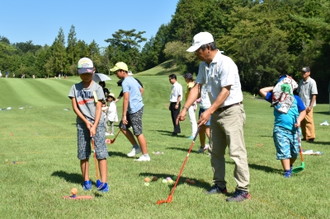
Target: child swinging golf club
(90, 123)
(289, 111)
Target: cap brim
(114, 68)
(85, 70)
(193, 48)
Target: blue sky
(40, 20)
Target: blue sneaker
(98, 183)
(287, 173)
(87, 185)
(104, 187)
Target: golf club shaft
(182, 166)
(95, 160)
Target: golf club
(95, 160)
(170, 196)
(113, 140)
(302, 166)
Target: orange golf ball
(147, 179)
(74, 191)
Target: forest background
(265, 38)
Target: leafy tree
(125, 46)
(58, 59)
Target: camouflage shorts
(84, 142)
(134, 120)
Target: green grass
(41, 138)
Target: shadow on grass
(69, 177)
(116, 154)
(266, 169)
(168, 133)
(315, 142)
(183, 180)
(324, 113)
(183, 149)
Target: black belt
(227, 107)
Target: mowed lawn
(38, 164)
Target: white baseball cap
(200, 39)
(85, 65)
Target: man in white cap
(132, 112)
(219, 74)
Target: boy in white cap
(220, 75)
(86, 97)
(132, 111)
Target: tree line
(265, 38)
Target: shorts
(84, 142)
(286, 143)
(134, 121)
(201, 110)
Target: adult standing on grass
(90, 123)
(132, 112)
(175, 103)
(307, 91)
(219, 74)
(288, 113)
(192, 109)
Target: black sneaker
(215, 189)
(239, 196)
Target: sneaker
(215, 189)
(201, 150)
(287, 173)
(239, 196)
(107, 134)
(87, 185)
(143, 157)
(98, 183)
(134, 151)
(104, 187)
(207, 147)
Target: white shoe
(134, 152)
(207, 147)
(107, 134)
(143, 157)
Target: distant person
(132, 112)
(308, 91)
(90, 123)
(204, 129)
(0, 74)
(105, 90)
(175, 103)
(192, 109)
(112, 115)
(289, 111)
(219, 74)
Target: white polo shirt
(176, 92)
(221, 72)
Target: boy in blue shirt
(90, 123)
(289, 111)
(132, 112)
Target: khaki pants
(227, 130)
(307, 126)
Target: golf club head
(168, 200)
(299, 169)
(112, 141)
